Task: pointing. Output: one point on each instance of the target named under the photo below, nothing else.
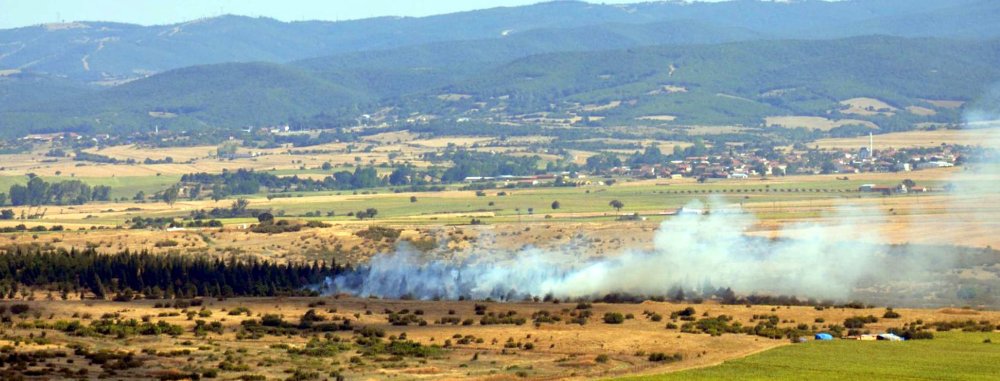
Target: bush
(378, 233)
(663, 357)
(166, 243)
(614, 318)
(858, 322)
(890, 314)
(18, 309)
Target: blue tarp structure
(824, 336)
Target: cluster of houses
(747, 164)
(720, 166)
(893, 160)
(742, 165)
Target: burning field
(700, 252)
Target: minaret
(871, 146)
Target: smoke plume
(698, 251)
(690, 251)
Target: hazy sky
(16, 13)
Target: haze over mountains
(728, 58)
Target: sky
(18, 13)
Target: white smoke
(690, 250)
(829, 261)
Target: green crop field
(950, 356)
(647, 199)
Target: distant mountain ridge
(224, 72)
(736, 82)
(106, 52)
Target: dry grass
(922, 111)
(710, 130)
(560, 349)
(444, 142)
(911, 139)
(602, 107)
(814, 122)
(867, 107)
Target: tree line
(40, 192)
(473, 163)
(152, 276)
(244, 181)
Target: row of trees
(154, 276)
(39, 192)
(243, 181)
(472, 163)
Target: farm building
(934, 164)
(889, 337)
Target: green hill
(222, 96)
(735, 82)
(743, 82)
(94, 51)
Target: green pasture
(949, 356)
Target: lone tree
(265, 218)
(170, 195)
(555, 204)
(618, 205)
(367, 213)
(240, 205)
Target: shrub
(378, 233)
(614, 318)
(890, 314)
(166, 243)
(858, 322)
(663, 357)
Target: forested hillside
(94, 51)
(719, 63)
(726, 83)
(742, 82)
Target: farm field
(780, 206)
(950, 356)
(912, 139)
(942, 241)
(814, 122)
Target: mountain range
(737, 62)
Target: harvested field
(910, 139)
(814, 122)
(867, 107)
